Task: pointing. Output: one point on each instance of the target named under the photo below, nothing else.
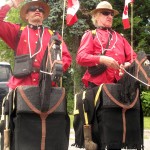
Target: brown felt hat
(26, 6)
(104, 5)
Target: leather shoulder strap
(109, 38)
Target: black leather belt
(91, 85)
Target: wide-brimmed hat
(26, 6)
(104, 5)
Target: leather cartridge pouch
(22, 66)
(97, 70)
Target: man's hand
(109, 62)
(122, 67)
(125, 65)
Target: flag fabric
(125, 18)
(72, 8)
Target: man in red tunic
(106, 47)
(104, 52)
(34, 13)
(31, 132)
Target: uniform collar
(35, 27)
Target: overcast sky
(2, 2)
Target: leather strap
(85, 113)
(117, 102)
(124, 108)
(139, 67)
(76, 111)
(43, 115)
(124, 125)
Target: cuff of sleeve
(96, 60)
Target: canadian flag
(72, 8)
(125, 19)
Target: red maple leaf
(125, 10)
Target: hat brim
(25, 7)
(102, 9)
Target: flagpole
(63, 23)
(62, 33)
(132, 24)
(132, 29)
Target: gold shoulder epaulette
(93, 32)
(50, 31)
(22, 28)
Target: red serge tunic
(91, 47)
(29, 36)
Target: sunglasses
(107, 13)
(34, 8)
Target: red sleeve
(8, 31)
(85, 52)
(66, 57)
(3, 11)
(129, 52)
